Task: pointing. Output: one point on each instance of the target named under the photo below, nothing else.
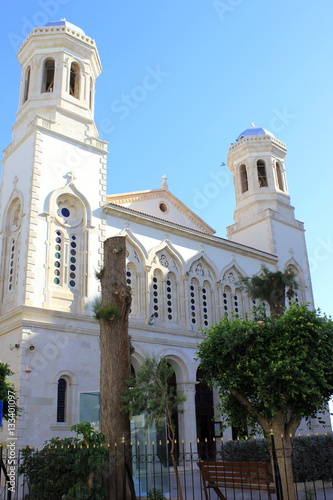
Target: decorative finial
(252, 125)
(164, 182)
(70, 178)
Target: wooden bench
(240, 475)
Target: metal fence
(154, 476)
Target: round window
(163, 207)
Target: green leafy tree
(6, 390)
(150, 392)
(68, 468)
(272, 287)
(273, 372)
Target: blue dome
(254, 131)
(64, 22)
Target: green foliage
(250, 450)
(67, 468)
(150, 392)
(155, 494)
(100, 273)
(7, 391)
(271, 287)
(313, 458)
(282, 364)
(109, 312)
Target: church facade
(55, 215)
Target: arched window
(61, 400)
(194, 301)
(132, 282)
(65, 259)
(12, 264)
(279, 177)
(48, 75)
(243, 179)
(170, 290)
(206, 304)
(26, 84)
(227, 300)
(237, 302)
(262, 177)
(156, 292)
(74, 80)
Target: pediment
(162, 204)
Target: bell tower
(59, 67)
(264, 217)
(54, 175)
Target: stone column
(187, 420)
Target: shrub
(313, 458)
(67, 468)
(251, 450)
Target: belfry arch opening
(279, 176)
(74, 80)
(26, 84)
(243, 179)
(262, 176)
(48, 75)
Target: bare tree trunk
(283, 448)
(115, 364)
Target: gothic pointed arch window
(74, 80)
(298, 293)
(11, 245)
(157, 295)
(133, 282)
(194, 301)
(201, 295)
(164, 282)
(206, 304)
(243, 178)
(279, 176)
(48, 75)
(170, 297)
(26, 84)
(262, 175)
(232, 297)
(227, 300)
(67, 278)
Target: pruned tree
(149, 392)
(272, 287)
(273, 372)
(112, 312)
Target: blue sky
(214, 67)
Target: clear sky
(214, 67)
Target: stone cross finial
(164, 182)
(71, 177)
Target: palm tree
(272, 287)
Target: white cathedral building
(55, 215)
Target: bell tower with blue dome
(264, 217)
(54, 175)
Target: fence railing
(154, 475)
